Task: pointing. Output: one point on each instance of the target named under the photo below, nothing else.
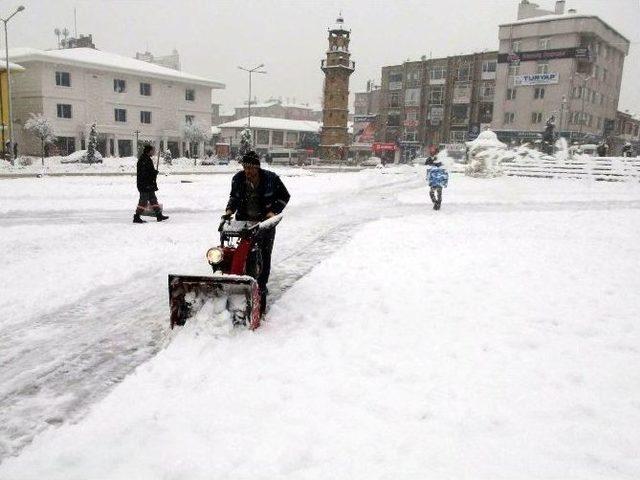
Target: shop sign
(536, 79)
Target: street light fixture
(250, 71)
(6, 45)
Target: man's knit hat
(251, 158)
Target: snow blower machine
(236, 265)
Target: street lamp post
(250, 71)
(6, 51)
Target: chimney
(560, 7)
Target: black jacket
(146, 174)
(272, 193)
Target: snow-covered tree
(39, 126)
(195, 132)
(246, 142)
(93, 143)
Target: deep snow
(494, 339)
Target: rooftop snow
(12, 66)
(91, 58)
(564, 16)
(270, 123)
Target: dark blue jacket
(146, 174)
(272, 193)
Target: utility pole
(6, 46)
(137, 132)
(250, 71)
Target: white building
(269, 133)
(127, 98)
(568, 65)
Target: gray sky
(290, 37)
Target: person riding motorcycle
(257, 195)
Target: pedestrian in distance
(147, 175)
(257, 195)
(438, 178)
(627, 150)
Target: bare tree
(39, 126)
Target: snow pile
(485, 155)
(499, 357)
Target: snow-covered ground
(496, 338)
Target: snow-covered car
(80, 156)
(223, 160)
(209, 161)
(371, 162)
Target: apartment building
(551, 63)
(130, 100)
(434, 101)
(278, 109)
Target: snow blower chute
(236, 265)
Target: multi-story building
(565, 65)
(128, 100)
(434, 101)
(627, 129)
(365, 118)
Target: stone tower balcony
(339, 63)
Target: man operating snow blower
(257, 195)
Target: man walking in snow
(257, 195)
(147, 174)
(438, 178)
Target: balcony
(341, 63)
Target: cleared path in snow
(57, 363)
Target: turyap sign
(535, 79)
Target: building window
(509, 117)
(464, 72)
(489, 66)
(190, 95)
(486, 112)
(438, 72)
(145, 117)
(604, 74)
(189, 119)
(395, 81)
(63, 79)
(292, 137)
(459, 113)
(542, 67)
(64, 110)
(599, 124)
(119, 86)
(457, 136)
(488, 91)
(262, 137)
(394, 100)
(393, 119)
(412, 115)
(412, 96)
(511, 93)
(515, 45)
(120, 115)
(544, 44)
(436, 95)
(277, 138)
(536, 117)
(538, 93)
(410, 136)
(514, 70)
(145, 89)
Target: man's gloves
(226, 217)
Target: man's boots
(160, 217)
(137, 219)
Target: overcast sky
(213, 37)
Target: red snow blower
(236, 265)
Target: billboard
(536, 79)
(517, 57)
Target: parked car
(371, 162)
(223, 160)
(212, 160)
(80, 156)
